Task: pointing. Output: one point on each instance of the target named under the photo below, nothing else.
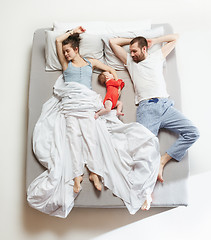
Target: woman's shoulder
(89, 61)
(68, 66)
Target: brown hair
(102, 79)
(142, 42)
(73, 40)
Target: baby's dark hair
(102, 79)
(73, 40)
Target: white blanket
(67, 137)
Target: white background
(18, 21)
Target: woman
(78, 69)
(67, 137)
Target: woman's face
(69, 52)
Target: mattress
(173, 192)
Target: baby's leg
(77, 184)
(94, 178)
(119, 107)
(105, 110)
(108, 105)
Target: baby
(113, 88)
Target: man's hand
(150, 43)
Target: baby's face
(108, 75)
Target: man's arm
(117, 47)
(170, 40)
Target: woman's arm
(59, 41)
(97, 64)
(59, 49)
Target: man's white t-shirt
(147, 76)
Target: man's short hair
(142, 42)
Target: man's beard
(139, 58)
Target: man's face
(136, 53)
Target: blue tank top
(81, 75)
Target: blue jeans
(162, 114)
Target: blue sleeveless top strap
(82, 75)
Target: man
(155, 110)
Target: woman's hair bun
(75, 37)
(73, 40)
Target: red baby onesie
(112, 87)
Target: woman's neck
(78, 61)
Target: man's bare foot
(94, 178)
(146, 205)
(164, 159)
(77, 184)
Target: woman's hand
(79, 29)
(98, 64)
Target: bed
(173, 192)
